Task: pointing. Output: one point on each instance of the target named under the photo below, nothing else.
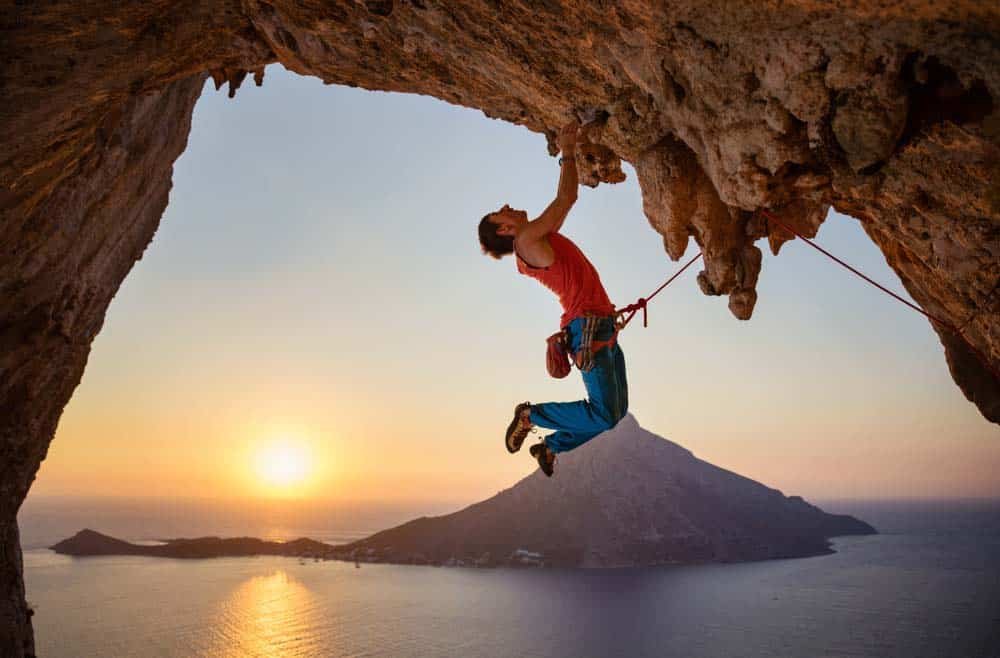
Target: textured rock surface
(628, 498)
(83, 237)
(885, 110)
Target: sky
(314, 320)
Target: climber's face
(508, 220)
(497, 230)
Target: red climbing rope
(946, 325)
(640, 305)
(626, 313)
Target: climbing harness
(557, 353)
(589, 346)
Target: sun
(283, 465)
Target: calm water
(928, 586)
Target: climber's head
(497, 229)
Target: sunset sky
(314, 319)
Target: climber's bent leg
(580, 417)
(607, 396)
(563, 441)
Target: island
(627, 498)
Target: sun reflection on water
(274, 615)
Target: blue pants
(607, 395)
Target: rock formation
(885, 111)
(628, 498)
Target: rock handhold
(595, 162)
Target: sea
(927, 586)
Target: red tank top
(572, 278)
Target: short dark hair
(493, 244)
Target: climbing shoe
(519, 427)
(546, 458)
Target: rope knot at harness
(625, 314)
(642, 304)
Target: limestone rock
(867, 129)
(885, 111)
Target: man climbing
(588, 319)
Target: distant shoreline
(90, 543)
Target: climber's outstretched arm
(531, 238)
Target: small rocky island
(628, 498)
(87, 543)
